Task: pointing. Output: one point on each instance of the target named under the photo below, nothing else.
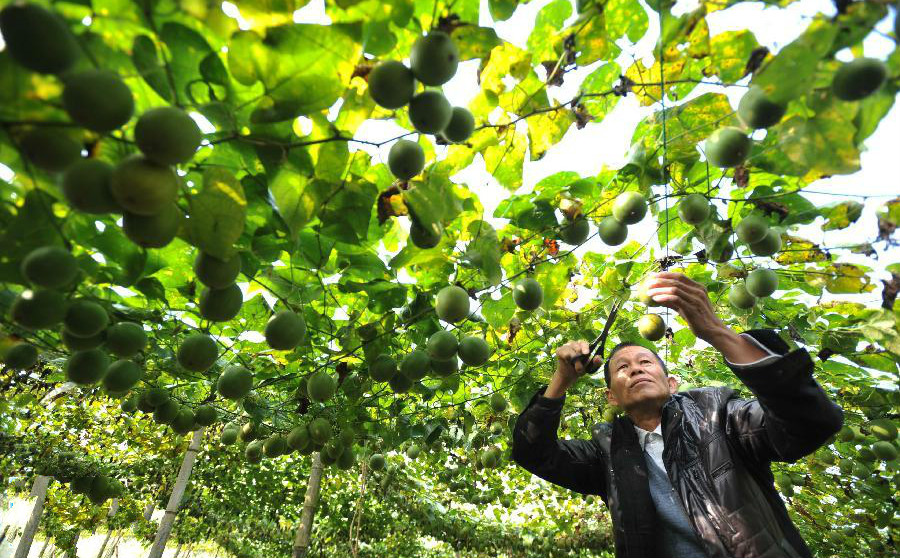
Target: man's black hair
(622, 345)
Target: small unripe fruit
(143, 187)
(498, 402)
(452, 304)
(167, 135)
(693, 209)
(474, 351)
(425, 237)
(752, 228)
(460, 127)
(50, 267)
(126, 339)
(221, 305)
(285, 330)
(727, 147)
(38, 308)
(611, 231)
(528, 294)
(651, 327)
(575, 232)
(37, 38)
(382, 368)
(629, 208)
(85, 318)
(391, 84)
(434, 58)
(320, 387)
(406, 159)
(442, 345)
(740, 298)
(762, 282)
(197, 352)
(86, 187)
(216, 273)
(756, 110)
(415, 365)
(769, 245)
(98, 100)
(235, 382)
(50, 149)
(21, 356)
(430, 112)
(153, 231)
(858, 79)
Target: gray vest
(677, 534)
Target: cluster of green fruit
(180, 418)
(729, 146)
(316, 436)
(628, 208)
(82, 476)
(433, 60)
(883, 448)
(760, 282)
(489, 458)
(142, 187)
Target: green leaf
(626, 17)
(543, 41)
(146, 60)
(217, 213)
(790, 73)
(841, 215)
(475, 42)
(686, 125)
(729, 53)
(506, 160)
(187, 49)
(297, 198)
(487, 247)
(346, 215)
(498, 312)
(822, 145)
(597, 90)
(433, 201)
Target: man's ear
(673, 384)
(611, 397)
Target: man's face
(637, 379)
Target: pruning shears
(597, 346)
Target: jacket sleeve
(791, 415)
(574, 464)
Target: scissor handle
(597, 347)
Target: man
(686, 475)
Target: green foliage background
(316, 222)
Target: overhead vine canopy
(200, 235)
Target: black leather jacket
(718, 451)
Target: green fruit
(434, 58)
(165, 413)
(248, 432)
(126, 339)
(86, 187)
(183, 422)
(400, 383)
(38, 309)
(154, 397)
(167, 135)
(752, 228)
(377, 462)
(442, 345)
(651, 327)
(866, 455)
(50, 149)
(98, 100)
(498, 402)
(221, 305)
(883, 429)
(197, 352)
(254, 451)
(129, 405)
(37, 38)
(391, 84)
(346, 437)
(413, 451)
(415, 365)
(858, 79)
(496, 429)
(443, 367)
(643, 295)
(727, 147)
(528, 294)
(721, 250)
(756, 110)
(121, 376)
(153, 231)
(216, 273)
(285, 330)
(693, 209)
(321, 387)
(275, 446)
(846, 434)
(430, 112)
(740, 298)
(21, 356)
(87, 367)
(762, 282)
(99, 490)
(406, 159)
(229, 434)
(861, 470)
(452, 304)
(50, 267)
(85, 318)
(347, 459)
(769, 245)
(629, 208)
(382, 368)
(474, 351)
(884, 450)
(143, 187)
(206, 415)
(784, 483)
(460, 127)
(611, 231)
(425, 237)
(490, 458)
(575, 232)
(319, 430)
(235, 382)
(298, 438)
